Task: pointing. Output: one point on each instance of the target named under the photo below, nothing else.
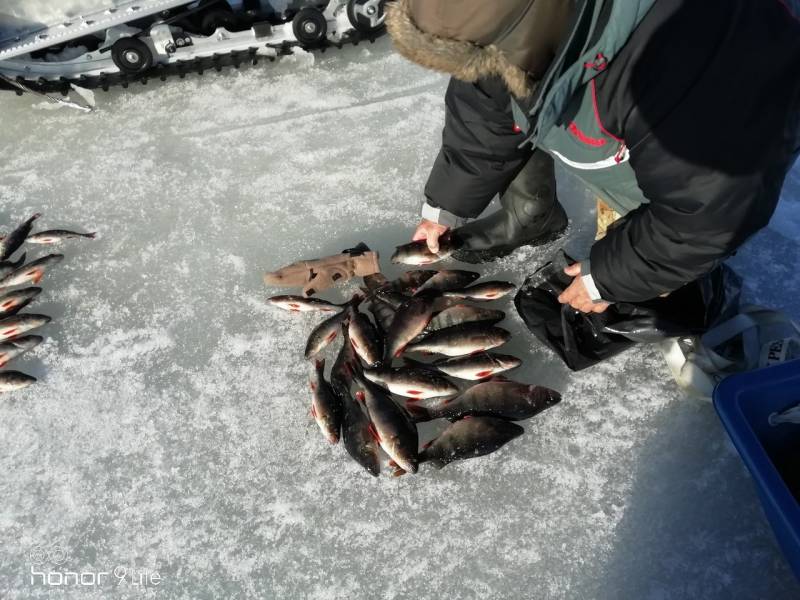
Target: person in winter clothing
(682, 116)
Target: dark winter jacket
(704, 96)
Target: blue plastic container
(772, 454)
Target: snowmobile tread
(199, 65)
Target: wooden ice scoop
(322, 273)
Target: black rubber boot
(530, 216)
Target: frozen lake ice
(170, 428)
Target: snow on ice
(170, 428)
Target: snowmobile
(134, 40)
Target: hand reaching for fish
(577, 296)
(430, 232)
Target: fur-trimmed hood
(515, 42)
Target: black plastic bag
(583, 340)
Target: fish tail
(418, 413)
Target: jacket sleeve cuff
(441, 216)
(588, 282)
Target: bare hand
(576, 294)
(430, 232)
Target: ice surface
(170, 429)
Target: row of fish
(14, 327)
(376, 395)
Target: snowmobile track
(180, 69)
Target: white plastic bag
(755, 338)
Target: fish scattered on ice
(357, 429)
(375, 281)
(411, 319)
(390, 297)
(13, 302)
(323, 334)
(301, 304)
(365, 339)
(32, 272)
(410, 281)
(464, 313)
(10, 243)
(448, 280)
(392, 427)
(475, 367)
(461, 340)
(15, 326)
(412, 382)
(17, 346)
(11, 381)
(469, 438)
(373, 404)
(57, 236)
(490, 290)
(502, 399)
(383, 314)
(326, 406)
(8, 266)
